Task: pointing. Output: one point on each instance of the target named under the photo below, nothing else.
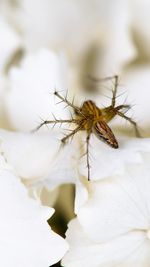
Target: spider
(94, 120)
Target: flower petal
(106, 161)
(32, 86)
(25, 234)
(38, 158)
(118, 205)
(126, 251)
(137, 82)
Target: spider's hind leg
(114, 78)
(108, 78)
(121, 114)
(64, 139)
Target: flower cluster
(48, 46)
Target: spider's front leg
(56, 121)
(65, 100)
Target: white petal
(106, 161)
(107, 32)
(26, 239)
(31, 90)
(117, 206)
(53, 29)
(81, 193)
(116, 45)
(140, 24)
(30, 154)
(38, 158)
(130, 250)
(136, 80)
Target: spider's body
(93, 119)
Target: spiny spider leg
(127, 107)
(115, 77)
(94, 79)
(113, 102)
(87, 154)
(131, 121)
(54, 122)
(63, 140)
(64, 99)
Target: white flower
(26, 111)
(38, 158)
(25, 236)
(112, 227)
(106, 162)
(111, 32)
(113, 212)
(21, 110)
(31, 86)
(81, 29)
(59, 24)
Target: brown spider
(93, 119)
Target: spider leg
(113, 101)
(65, 100)
(123, 107)
(87, 154)
(63, 140)
(131, 121)
(109, 78)
(54, 122)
